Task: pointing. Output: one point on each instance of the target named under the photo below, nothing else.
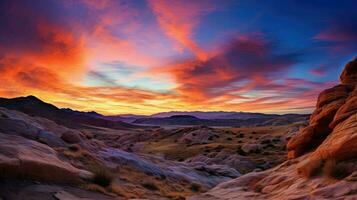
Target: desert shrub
(335, 170)
(210, 138)
(276, 140)
(266, 141)
(257, 151)
(149, 186)
(240, 151)
(229, 138)
(195, 187)
(102, 175)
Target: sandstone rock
(50, 139)
(251, 148)
(349, 74)
(333, 94)
(199, 136)
(345, 111)
(341, 144)
(331, 135)
(20, 190)
(18, 127)
(28, 159)
(240, 163)
(71, 137)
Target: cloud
(179, 19)
(340, 33)
(245, 63)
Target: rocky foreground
(49, 153)
(323, 156)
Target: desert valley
(52, 153)
(178, 100)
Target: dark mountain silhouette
(33, 106)
(215, 115)
(192, 120)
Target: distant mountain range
(215, 115)
(255, 120)
(33, 106)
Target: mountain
(214, 115)
(254, 120)
(33, 106)
(322, 156)
(128, 118)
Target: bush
(195, 187)
(335, 170)
(149, 186)
(240, 151)
(102, 176)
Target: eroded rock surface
(331, 137)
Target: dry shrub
(195, 187)
(102, 175)
(150, 186)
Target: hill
(33, 106)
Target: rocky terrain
(323, 156)
(52, 153)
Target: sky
(149, 56)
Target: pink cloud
(179, 19)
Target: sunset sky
(143, 57)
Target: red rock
(345, 111)
(24, 158)
(349, 74)
(333, 94)
(70, 137)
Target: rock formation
(331, 137)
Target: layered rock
(334, 106)
(331, 137)
(28, 159)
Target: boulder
(349, 74)
(345, 111)
(21, 158)
(71, 137)
(18, 127)
(199, 136)
(341, 144)
(251, 148)
(50, 139)
(333, 94)
(319, 128)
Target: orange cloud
(179, 18)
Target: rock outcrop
(332, 125)
(331, 137)
(28, 159)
